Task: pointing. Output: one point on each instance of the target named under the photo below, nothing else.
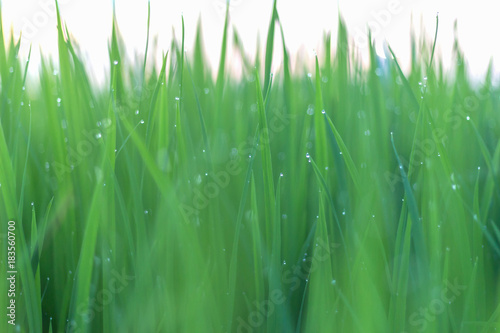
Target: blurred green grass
(175, 200)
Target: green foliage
(351, 199)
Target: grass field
(334, 197)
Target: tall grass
(335, 197)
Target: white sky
(303, 21)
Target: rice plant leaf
(270, 47)
(351, 167)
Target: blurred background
(304, 23)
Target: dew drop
(310, 110)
